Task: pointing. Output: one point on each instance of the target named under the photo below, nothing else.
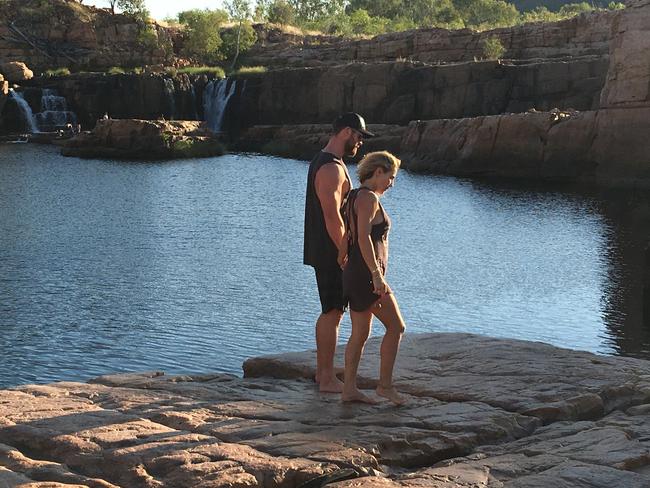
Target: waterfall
(215, 100)
(25, 109)
(195, 113)
(168, 85)
(54, 112)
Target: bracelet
(376, 271)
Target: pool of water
(195, 265)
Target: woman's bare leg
(361, 323)
(387, 311)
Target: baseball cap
(353, 121)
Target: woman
(364, 283)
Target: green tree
(485, 14)
(362, 23)
(573, 9)
(280, 12)
(493, 48)
(261, 11)
(433, 13)
(237, 40)
(134, 8)
(240, 12)
(202, 33)
(316, 10)
(378, 8)
(539, 14)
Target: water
(195, 265)
(215, 101)
(54, 111)
(25, 110)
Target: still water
(195, 265)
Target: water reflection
(195, 265)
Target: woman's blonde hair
(374, 160)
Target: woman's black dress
(357, 278)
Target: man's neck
(335, 148)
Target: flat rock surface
(482, 412)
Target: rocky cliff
(608, 146)
(600, 138)
(398, 92)
(64, 33)
(584, 35)
(146, 96)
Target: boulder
(15, 71)
(144, 140)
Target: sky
(166, 8)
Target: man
(328, 185)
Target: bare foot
(337, 372)
(357, 396)
(333, 386)
(391, 394)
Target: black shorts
(330, 289)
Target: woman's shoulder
(367, 197)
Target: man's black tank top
(319, 250)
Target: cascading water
(195, 113)
(215, 101)
(168, 84)
(54, 112)
(25, 110)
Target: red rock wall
(584, 35)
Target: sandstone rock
(584, 35)
(454, 367)
(144, 139)
(460, 429)
(628, 79)
(399, 92)
(607, 146)
(15, 71)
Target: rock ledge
(483, 412)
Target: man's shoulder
(324, 157)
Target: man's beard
(350, 147)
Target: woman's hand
(379, 285)
(342, 256)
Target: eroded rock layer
(482, 412)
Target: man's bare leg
(327, 333)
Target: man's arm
(329, 183)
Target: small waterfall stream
(25, 110)
(54, 112)
(216, 96)
(169, 90)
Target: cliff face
(64, 33)
(628, 79)
(148, 96)
(396, 93)
(608, 146)
(584, 35)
